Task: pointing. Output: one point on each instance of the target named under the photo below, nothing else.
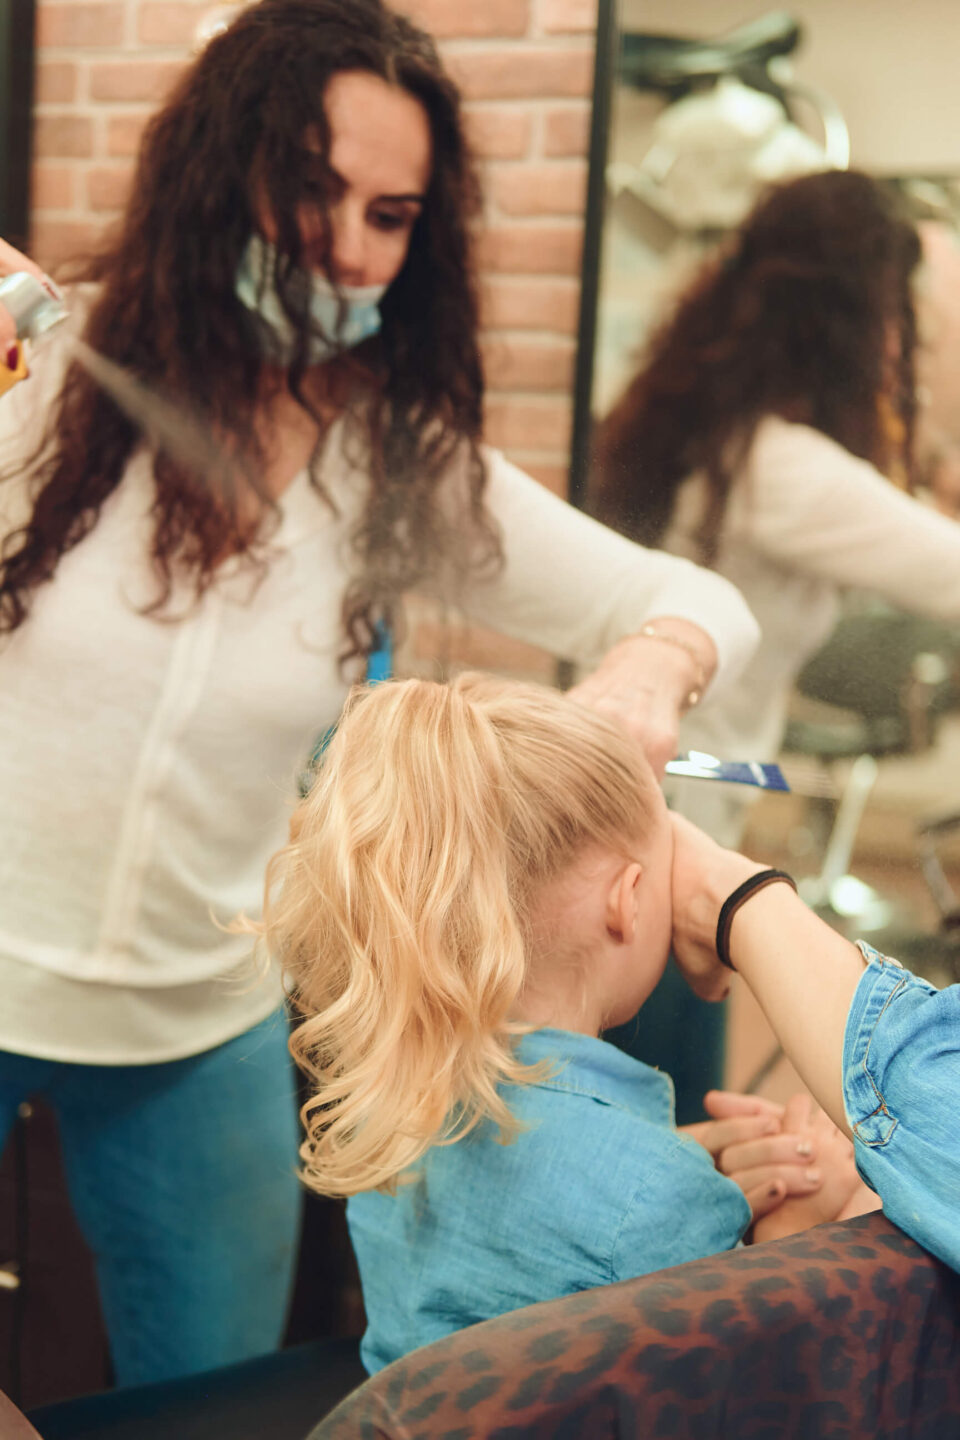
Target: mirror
(696, 129)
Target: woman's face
(381, 156)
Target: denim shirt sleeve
(901, 1084)
(682, 1209)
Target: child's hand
(835, 1154)
(747, 1142)
(842, 1193)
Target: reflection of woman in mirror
(292, 271)
(769, 434)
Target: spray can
(36, 307)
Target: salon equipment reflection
(756, 402)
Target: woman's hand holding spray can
(30, 304)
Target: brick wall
(525, 69)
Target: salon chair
(272, 1397)
(934, 954)
(888, 679)
(843, 1332)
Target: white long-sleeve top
(805, 521)
(147, 768)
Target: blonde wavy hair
(400, 906)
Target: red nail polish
(13, 357)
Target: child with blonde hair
(476, 885)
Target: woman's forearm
(577, 589)
(803, 974)
(861, 1031)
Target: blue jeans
(182, 1176)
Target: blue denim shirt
(901, 1081)
(598, 1187)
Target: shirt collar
(592, 1067)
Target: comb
(803, 779)
(700, 766)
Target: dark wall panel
(16, 114)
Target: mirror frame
(17, 54)
(604, 77)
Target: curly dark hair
(793, 319)
(233, 133)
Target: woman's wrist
(729, 872)
(704, 876)
(744, 892)
(688, 658)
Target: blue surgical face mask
(256, 289)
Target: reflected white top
(805, 520)
(147, 769)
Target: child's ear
(622, 902)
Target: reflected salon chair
(843, 1332)
(889, 678)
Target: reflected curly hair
(793, 320)
(234, 133)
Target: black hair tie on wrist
(733, 902)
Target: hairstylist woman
(293, 269)
(877, 1047)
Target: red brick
(55, 83)
(54, 241)
(108, 186)
(475, 648)
(531, 249)
(523, 73)
(124, 132)
(566, 16)
(131, 80)
(532, 304)
(62, 135)
(52, 186)
(453, 19)
(169, 23)
(77, 24)
(522, 424)
(498, 132)
(567, 131)
(528, 364)
(555, 188)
